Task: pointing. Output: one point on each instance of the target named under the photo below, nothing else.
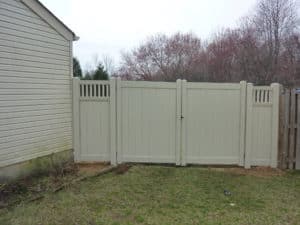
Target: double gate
(180, 123)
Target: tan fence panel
(92, 125)
(147, 122)
(262, 125)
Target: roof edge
(41, 10)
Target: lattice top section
(94, 90)
(262, 95)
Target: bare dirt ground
(91, 169)
(255, 171)
(33, 188)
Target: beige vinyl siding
(35, 86)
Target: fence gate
(214, 123)
(181, 123)
(148, 122)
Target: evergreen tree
(77, 72)
(100, 73)
(88, 76)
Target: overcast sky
(106, 27)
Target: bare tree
(222, 55)
(289, 73)
(109, 64)
(164, 58)
(274, 20)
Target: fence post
(76, 120)
(275, 124)
(178, 123)
(297, 166)
(286, 127)
(249, 121)
(119, 120)
(113, 118)
(292, 129)
(283, 126)
(243, 95)
(183, 122)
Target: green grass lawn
(166, 195)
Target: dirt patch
(255, 171)
(34, 187)
(90, 169)
(123, 168)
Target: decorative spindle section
(94, 91)
(262, 95)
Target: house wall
(35, 86)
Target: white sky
(106, 27)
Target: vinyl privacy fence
(180, 123)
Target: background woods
(264, 48)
